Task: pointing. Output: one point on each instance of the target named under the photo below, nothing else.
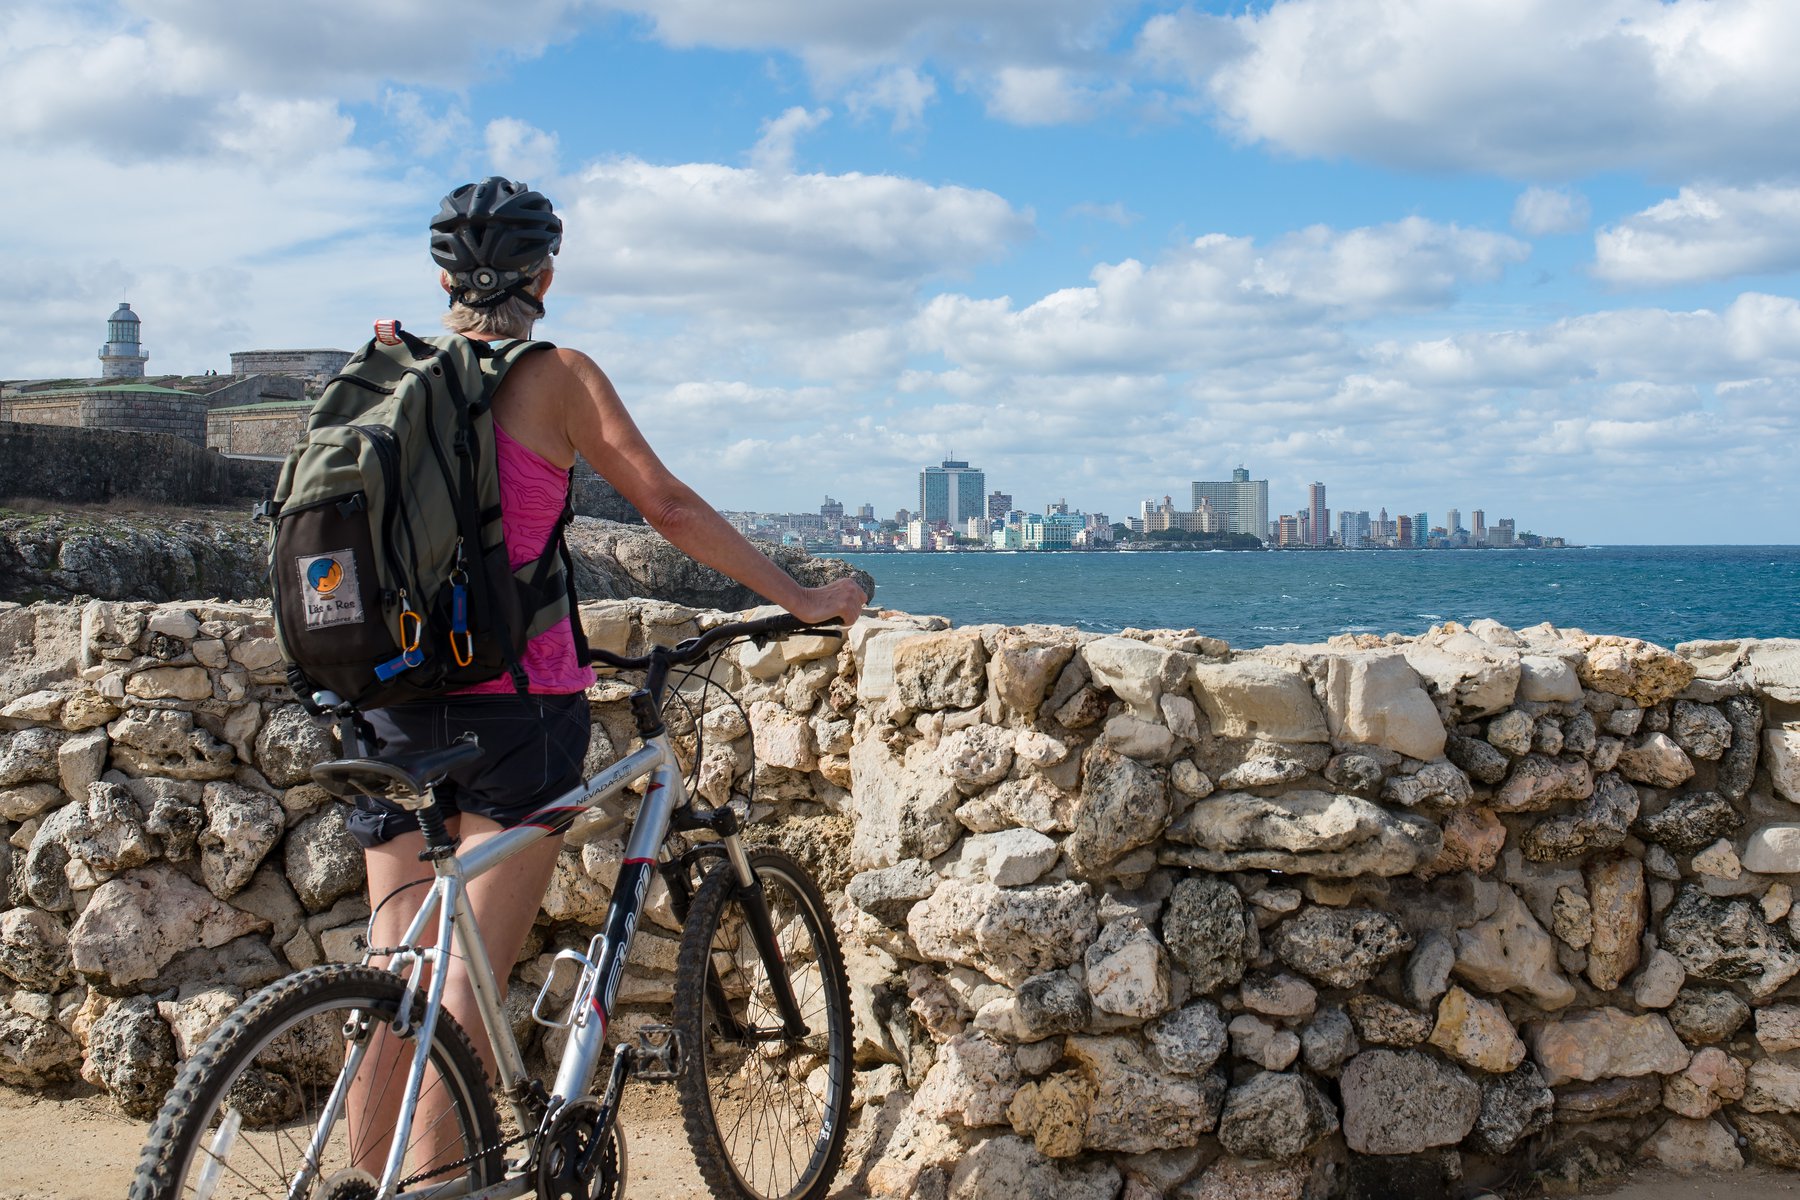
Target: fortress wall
(320, 364)
(1127, 916)
(122, 411)
(255, 431)
(257, 389)
(77, 464)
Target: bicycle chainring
(562, 1148)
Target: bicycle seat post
(439, 845)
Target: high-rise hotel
(1242, 504)
(952, 493)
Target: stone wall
(262, 430)
(98, 466)
(138, 409)
(317, 365)
(1128, 916)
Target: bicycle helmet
(485, 235)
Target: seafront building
(1318, 524)
(1241, 502)
(951, 493)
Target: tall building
(1421, 530)
(1479, 533)
(1318, 526)
(1353, 529)
(998, 505)
(952, 493)
(832, 510)
(1242, 503)
(1502, 533)
(1287, 530)
(1403, 530)
(1453, 521)
(866, 512)
(123, 356)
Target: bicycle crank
(568, 1166)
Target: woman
(494, 241)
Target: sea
(1664, 594)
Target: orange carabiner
(410, 641)
(465, 653)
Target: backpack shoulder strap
(495, 359)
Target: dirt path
(80, 1148)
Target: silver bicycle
(350, 1082)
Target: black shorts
(535, 747)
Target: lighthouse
(122, 357)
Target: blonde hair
(511, 318)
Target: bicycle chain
(521, 1139)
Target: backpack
(387, 564)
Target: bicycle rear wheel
(247, 1105)
(766, 1115)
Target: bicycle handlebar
(697, 648)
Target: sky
(1527, 256)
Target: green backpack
(387, 564)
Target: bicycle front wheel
(766, 1114)
(295, 1096)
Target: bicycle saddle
(402, 778)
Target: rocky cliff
(166, 555)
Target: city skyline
(953, 514)
(1354, 241)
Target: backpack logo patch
(328, 590)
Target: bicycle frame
(445, 908)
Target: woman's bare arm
(599, 428)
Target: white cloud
(168, 78)
(902, 91)
(1539, 211)
(1221, 300)
(1536, 88)
(1039, 96)
(428, 133)
(841, 38)
(1703, 233)
(774, 151)
(520, 150)
(761, 247)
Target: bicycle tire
(268, 1070)
(740, 1097)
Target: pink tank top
(531, 499)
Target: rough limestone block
(1405, 1101)
(1603, 1043)
(1474, 678)
(1301, 833)
(1374, 698)
(1782, 742)
(1136, 672)
(1255, 698)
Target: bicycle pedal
(658, 1053)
